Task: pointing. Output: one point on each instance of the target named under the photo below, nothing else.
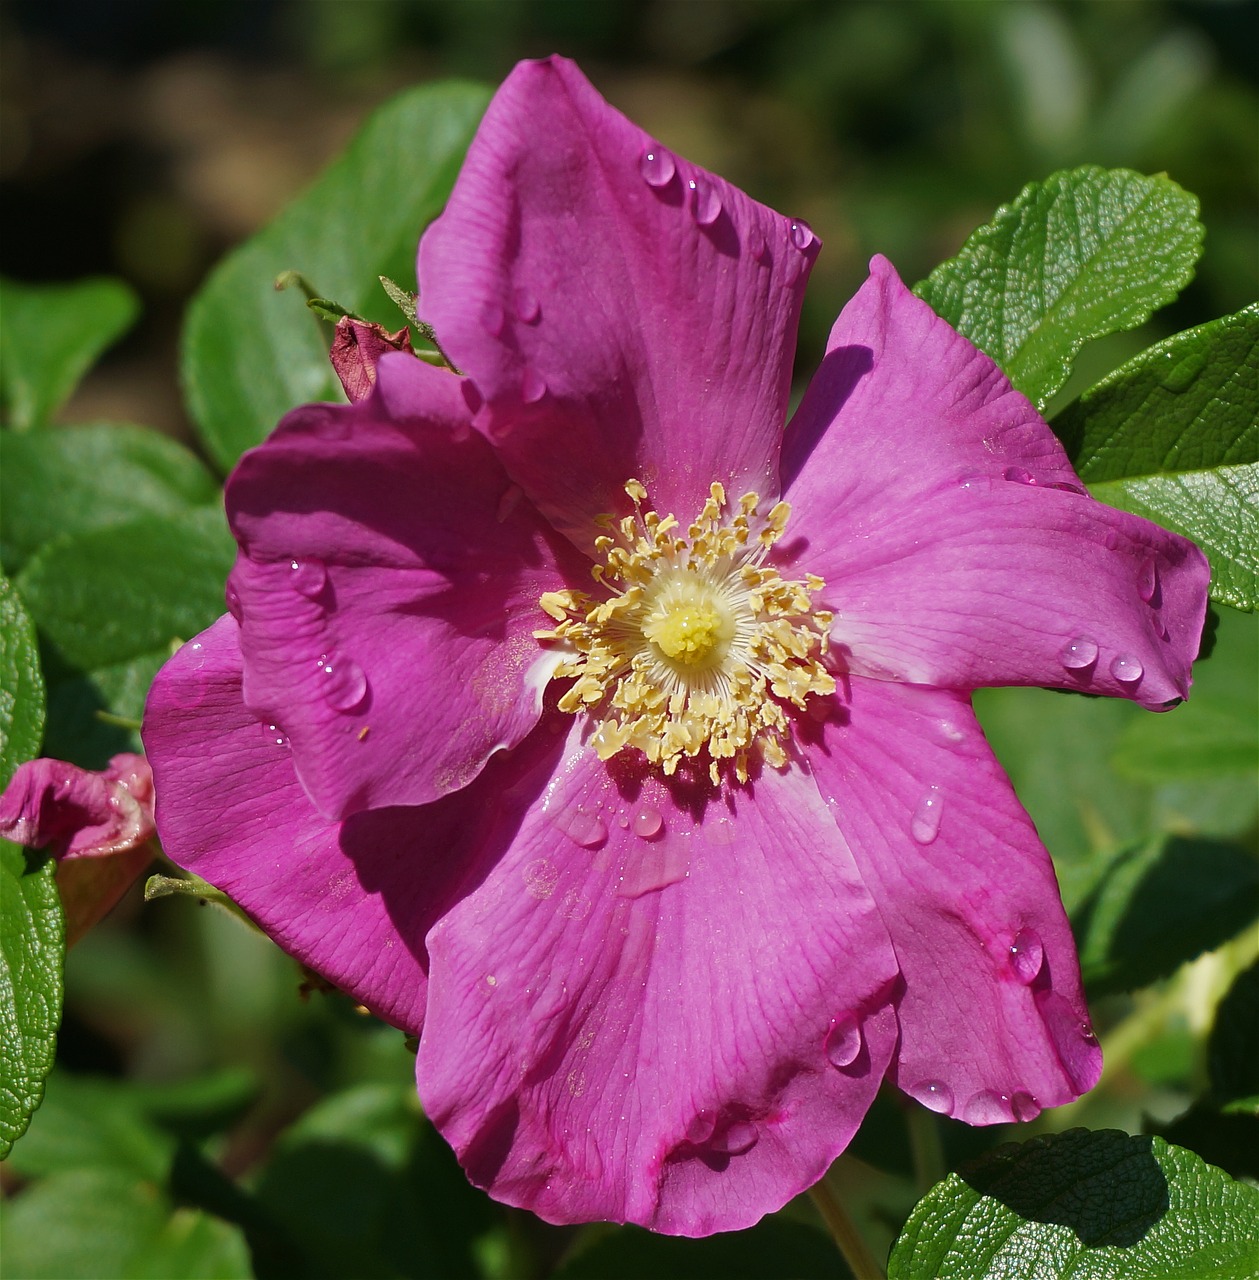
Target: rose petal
(957, 544)
(388, 589)
(612, 332)
(661, 1006)
(993, 1022)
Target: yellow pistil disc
(693, 645)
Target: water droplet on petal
(735, 1139)
(701, 1127)
(232, 596)
(801, 234)
(647, 822)
(541, 876)
(582, 826)
(1027, 954)
(1024, 1106)
(1086, 1030)
(705, 202)
(1078, 653)
(526, 306)
(1067, 487)
(657, 167)
(843, 1041)
(988, 1107)
(933, 1095)
(756, 243)
(344, 683)
(925, 825)
(308, 577)
(192, 685)
(1147, 581)
(493, 319)
(1019, 475)
(532, 386)
(1127, 669)
(950, 732)
(275, 735)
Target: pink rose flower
(580, 719)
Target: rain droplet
(1018, 475)
(735, 1138)
(493, 319)
(526, 306)
(308, 577)
(701, 1127)
(1024, 1106)
(191, 686)
(1147, 580)
(541, 876)
(1079, 653)
(756, 243)
(1026, 955)
(988, 1107)
(344, 684)
(532, 386)
(582, 826)
(933, 1095)
(705, 202)
(275, 735)
(801, 234)
(925, 825)
(1127, 669)
(1086, 1030)
(647, 822)
(657, 167)
(1067, 487)
(843, 1041)
(232, 596)
(950, 732)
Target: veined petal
(662, 1005)
(992, 1020)
(623, 312)
(388, 587)
(958, 547)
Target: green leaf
(1090, 1205)
(51, 336)
(1218, 509)
(1190, 403)
(1159, 904)
(54, 483)
(133, 590)
(31, 929)
(1085, 253)
(249, 353)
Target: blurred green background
(142, 138)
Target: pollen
(691, 644)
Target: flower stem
(848, 1239)
(925, 1147)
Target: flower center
(694, 645)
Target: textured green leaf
(31, 929)
(50, 337)
(249, 353)
(1188, 404)
(54, 483)
(117, 594)
(1090, 1205)
(1160, 904)
(1218, 509)
(1085, 253)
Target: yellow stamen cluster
(696, 643)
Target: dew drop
(925, 825)
(843, 1041)
(192, 685)
(1024, 1106)
(541, 876)
(801, 234)
(582, 826)
(988, 1107)
(526, 306)
(735, 1139)
(308, 577)
(232, 597)
(950, 732)
(1018, 475)
(1086, 1030)
(1078, 653)
(275, 735)
(532, 386)
(701, 1127)
(1026, 955)
(933, 1095)
(493, 319)
(344, 683)
(1067, 487)
(1127, 669)
(1147, 581)
(647, 822)
(657, 167)
(705, 202)
(756, 243)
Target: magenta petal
(388, 588)
(659, 1007)
(958, 546)
(79, 813)
(623, 312)
(353, 899)
(992, 1020)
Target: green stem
(925, 1147)
(848, 1239)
